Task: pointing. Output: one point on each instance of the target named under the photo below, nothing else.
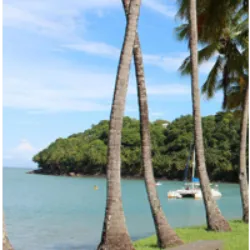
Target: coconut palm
(165, 234)
(115, 235)
(210, 21)
(215, 220)
(6, 243)
(242, 171)
(229, 73)
(230, 60)
(229, 43)
(244, 186)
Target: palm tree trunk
(115, 235)
(243, 170)
(6, 242)
(243, 176)
(165, 234)
(215, 220)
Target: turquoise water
(63, 213)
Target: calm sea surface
(63, 213)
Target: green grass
(235, 240)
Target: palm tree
(232, 66)
(242, 171)
(115, 234)
(230, 60)
(210, 21)
(6, 243)
(215, 220)
(244, 186)
(165, 234)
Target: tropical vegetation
(85, 153)
(225, 39)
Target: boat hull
(196, 194)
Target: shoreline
(78, 175)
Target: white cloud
(169, 63)
(60, 18)
(173, 61)
(46, 85)
(66, 87)
(65, 21)
(62, 89)
(60, 26)
(24, 147)
(96, 48)
(23, 151)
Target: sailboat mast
(193, 163)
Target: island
(85, 154)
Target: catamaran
(192, 189)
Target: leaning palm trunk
(115, 235)
(243, 171)
(6, 242)
(215, 220)
(165, 234)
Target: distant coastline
(125, 177)
(73, 174)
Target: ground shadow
(74, 247)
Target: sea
(65, 213)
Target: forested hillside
(86, 153)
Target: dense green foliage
(86, 153)
(224, 37)
(235, 240)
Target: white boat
(158, 183)
(174, 195)
(192, 189)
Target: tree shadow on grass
(74, 247)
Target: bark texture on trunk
(6, 242)
(165, 234)
(243, 146)
(215, 220)
(115, 234)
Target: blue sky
(59, 64)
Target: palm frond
(203, 55)
(182, 32)
(210, 85)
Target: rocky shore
(41, 171)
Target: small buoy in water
(96, 187)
